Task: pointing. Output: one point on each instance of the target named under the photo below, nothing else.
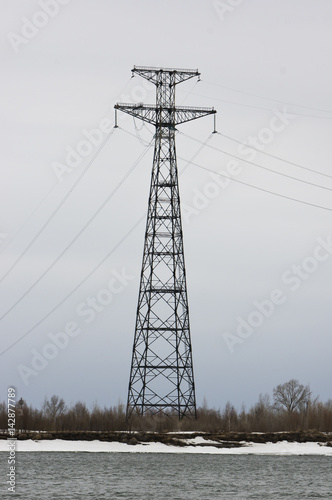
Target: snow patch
(60, 445)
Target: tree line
(292, 408)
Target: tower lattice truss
(161, 376)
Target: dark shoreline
(219, 439)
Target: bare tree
(80, 409)
(229, 415)
(263, 405)
(54, 408)
(261, 414)
(291, 396)
(81, 415)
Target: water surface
(156, 476)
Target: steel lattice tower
(161, 377)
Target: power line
(262, 167)
(266, 98)
(51, 217)
(259, 188)
(59, 304)
(136, 135)
(275, 157)
(26, 221)
(78, 234)
(137, 131)
(259, 107)
(204, 144)
(76, 287)
(45, 198)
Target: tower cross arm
(163, 115)
(186, 114)
(173, 75)
(142, 111)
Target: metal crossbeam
(174, 76)
(163, 116)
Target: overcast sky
(258, 265)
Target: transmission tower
(162, 377)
